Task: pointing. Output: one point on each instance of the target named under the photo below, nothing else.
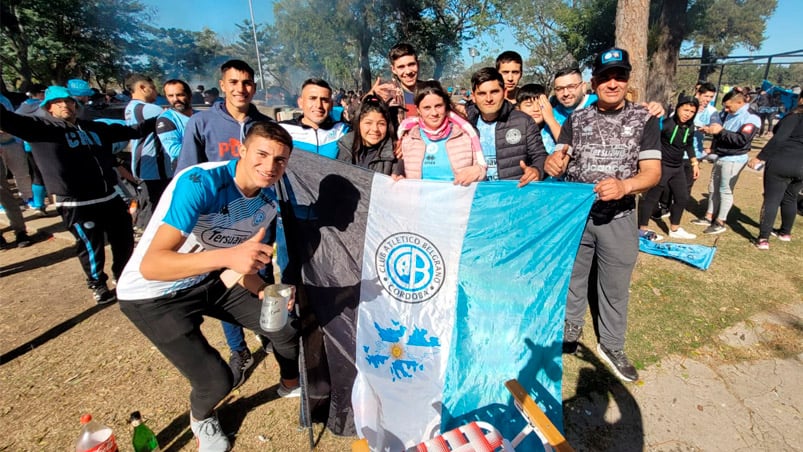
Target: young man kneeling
(212, 217)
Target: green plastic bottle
(143, 439)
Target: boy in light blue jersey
(213, 217)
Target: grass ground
(675, 308)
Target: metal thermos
(274, 307)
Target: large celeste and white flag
(459, 289)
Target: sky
(781, 32)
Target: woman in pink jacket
(438, 144)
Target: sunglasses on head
(372, 99)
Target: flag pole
(256, 46)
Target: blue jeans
(234, 336)
(724, 176)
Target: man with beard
(171, 124)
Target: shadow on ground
(52, 333)
(603, 415)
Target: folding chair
(483, 437)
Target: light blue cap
(78, 87)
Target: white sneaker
(682, 234)
(288, 393)
(209, 435)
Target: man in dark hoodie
(75, 157)
(511, 141)
(215, 135)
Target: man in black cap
(615, 145)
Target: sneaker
(763, 244)
(209, 435)
(781, 236)
(102, 294)
(682, 234)
(665, 213)
(572, 332)
(287, 393)
(23, 240)
(618, 362)
(701, 222)
(715, 228)
(650, 235)
(239, 362)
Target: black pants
(150, 192)
(36, 176)
(91, 226)
(781, 186)
(666, 196)
(173, 324)
(673, 180)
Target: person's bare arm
(162, 261)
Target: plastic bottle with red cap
(95, 437)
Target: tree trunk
(632, 19)
(437, 73)
(365, 39)
(671, 28)
(707, 64)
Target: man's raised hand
(558, 161)
(250, 256)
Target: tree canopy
(53, 41)
(346, 41)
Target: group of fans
(209, 208)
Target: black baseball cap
(611, 58)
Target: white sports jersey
(204, 203)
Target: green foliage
(587, 28)
(181, 53)
(538, 33)
(52, 41)
(320, 38)
(722, 25)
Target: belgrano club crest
(410, 267)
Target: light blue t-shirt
(487, 133)
(704, 117)
(549, 142)
(204, 203)
(436, 165)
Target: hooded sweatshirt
(677, 138)
(214, 135)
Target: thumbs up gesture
(250, 256)
(557, 163)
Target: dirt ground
(63, 356)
